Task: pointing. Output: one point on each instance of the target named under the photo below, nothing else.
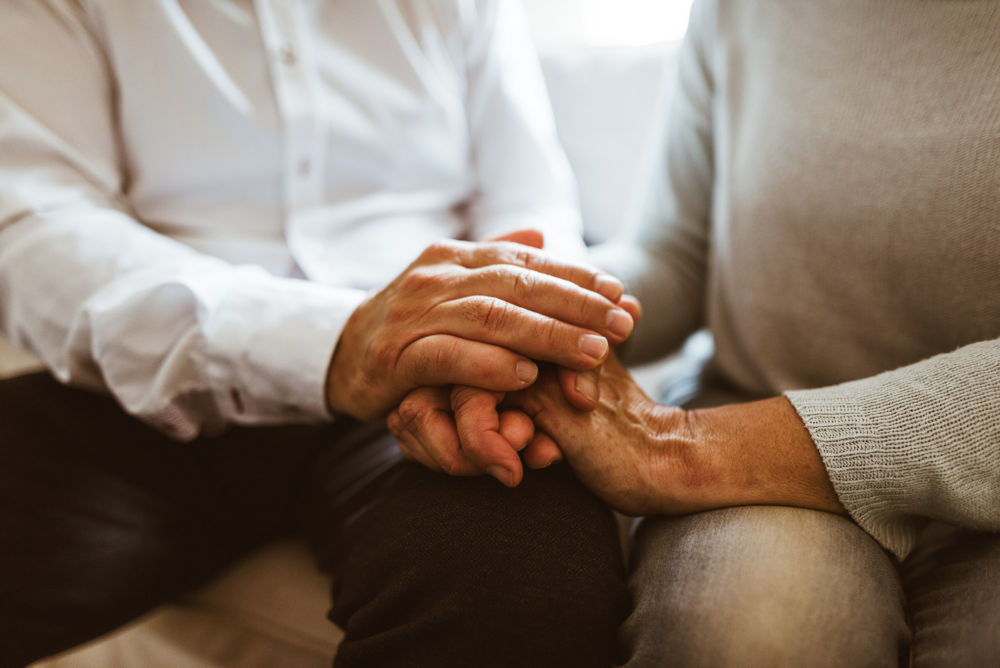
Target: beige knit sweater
(828, 204)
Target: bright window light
(607, 22)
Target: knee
(539, 566)
(763, 586)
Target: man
(214, 212)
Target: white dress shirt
(195, 195)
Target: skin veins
(644, 458)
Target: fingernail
(500, 473)
(593, 346)
(586, 384)
(526, 371)
(620, 322)
(609, 286)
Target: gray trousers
(774, 586)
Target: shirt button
(287, 55)
(304, 168)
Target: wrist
(759, 453)
(680, 471)
(341, 392)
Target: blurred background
(610, 67)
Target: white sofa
(269, 609)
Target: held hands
(462, 430)
(613, 439)
(459, 430)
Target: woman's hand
(633, 453)
(643, 458)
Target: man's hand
(643, 458)
(459, 431)
(473, 314)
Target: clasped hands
(438, 349)
(447, 352)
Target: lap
(463, 571)
(953, 582)
(102, 518)
(763, 586)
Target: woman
(828, 206)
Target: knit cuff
(869, 475)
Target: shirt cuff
(269, 344)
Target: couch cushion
(267, 610)
(609, 103)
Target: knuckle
(552, 333)
(522, 256)
(394, 423)
(444, 356)
(524, 283)
(420, 279)
(444, 249)
(412, 412)
(489, 313)
(462, 396)
(450, 463)
(587, 307)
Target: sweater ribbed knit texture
(828, 203)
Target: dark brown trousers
(103, 518)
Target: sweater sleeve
(920, 442)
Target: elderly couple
(209, 214)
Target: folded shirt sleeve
(917, 443)
(183, 340)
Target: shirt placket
(288, 40)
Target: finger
(408, 444)
(526, 237)
(542, 451)
(505, 252)
(478, 427)
(581, 388)
(541, 396)
(632, 305)
(427, 424)
(493, 321)
(516, 428)
(550, 296)
(443, 359)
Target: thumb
(580, 388)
